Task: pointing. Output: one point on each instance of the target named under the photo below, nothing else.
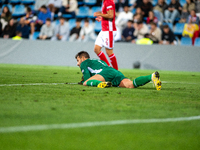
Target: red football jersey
(108, 25)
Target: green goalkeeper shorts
(112, 75)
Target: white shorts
(106, 39)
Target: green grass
(59, 104)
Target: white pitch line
(77, 83)
(178, 82)
(92, 124)
(31, 84)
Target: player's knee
(109, 52)
(84, 84)
(32, 24)
(97, 50)
(129, 85)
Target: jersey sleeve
(85, 72)
(109, 6)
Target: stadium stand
(80, 3)
(97, 26)
(9, 6)
(154, 2)
(83, 21)
(178, 30)
(168, 1)
(170, 25)
(65, 16)
(159, 16)
(72, 23)
(56, 22)
(14, 1)
(83, 12)
(182, 2)
(133, 10)
(35, 35)
(90, 2)
(93, 10)
(131, 2)
(197, 42)
(86, 9)
(19, 10)
(186, 41)
(28, 2)
(32, 7)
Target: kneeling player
(98, 73)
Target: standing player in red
(107, 34)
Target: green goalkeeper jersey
(91, 67)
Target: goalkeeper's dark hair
(82, 53)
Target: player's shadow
(153, 88)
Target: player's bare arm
(109, 15)
(98, 18)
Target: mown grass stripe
(77, 83)
(92, 124)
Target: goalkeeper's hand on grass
(81, 82)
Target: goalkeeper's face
(80, 60)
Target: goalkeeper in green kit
(98, 73)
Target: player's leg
(109, 44)
(98, 46)
(142, 80)
(139, 81)
(98, 81)
(126, 83)
(100, 54)
(112, 57)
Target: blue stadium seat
(168, 1)
(97, 26)
(186, 41)
(28, 1)
(197, 42)
(154, 2)
(178, 30)
(80, 3)
(32, 7)
(182, 2)
(19, 10)
(93, 10)
(133, 10)
(170, 25)
(72, 23)
(14, 1)
(35, 35)
(83, 12)
(131, 2)
(90, 2)
(67, 16)
(176, 38)
(56, 23)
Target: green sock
(142, 80)
(93, 82)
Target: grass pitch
(24, 104)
